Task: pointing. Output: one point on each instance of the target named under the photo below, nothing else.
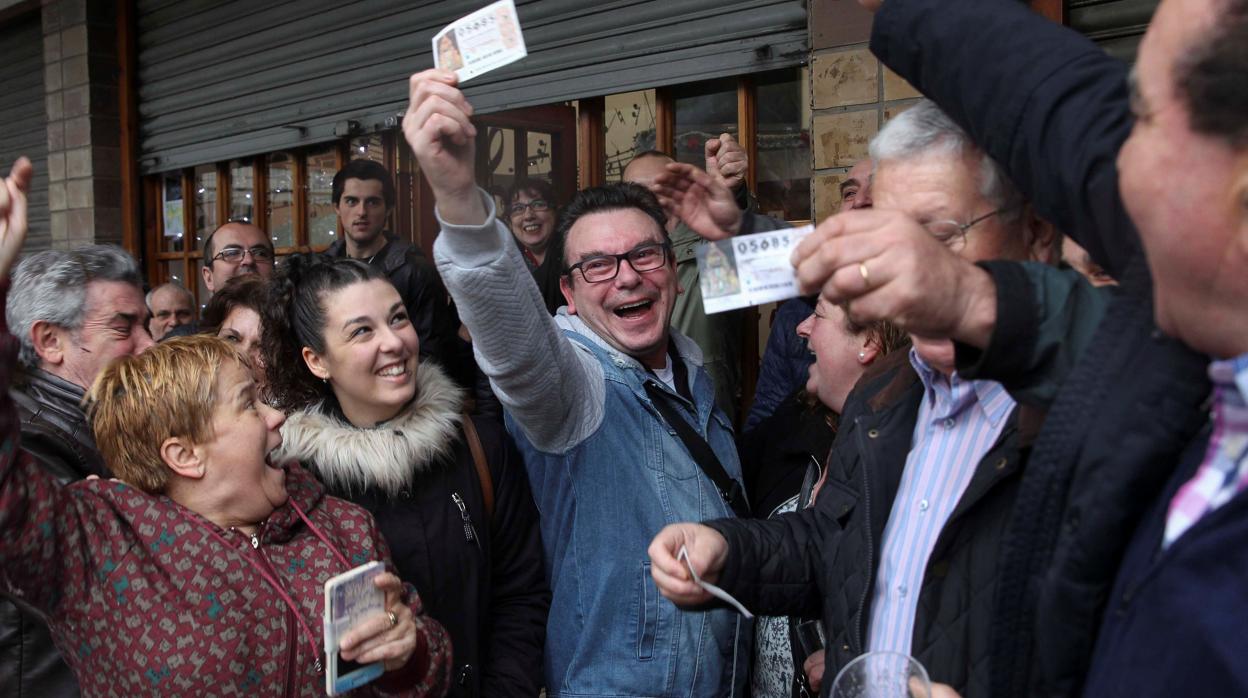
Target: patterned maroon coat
(145, 597)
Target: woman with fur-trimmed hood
(388, 434)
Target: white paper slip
(749, 269)
(484, 40)
(350, 599)
(711, 588)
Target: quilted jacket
(828, 556)
(145, 597)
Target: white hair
(51, 286)
(147, 300)
(924, 129)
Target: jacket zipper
(860, 627)
(470, 531)
(292, 632)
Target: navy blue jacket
(1053, 110)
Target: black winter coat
(482, 577)
(56, 433)
(828, 556)
(1054, 111)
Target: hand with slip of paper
(685, 562)
(389, 638)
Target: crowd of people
(1005, 434)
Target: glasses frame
(266, 254)
(519, 208)
(665, 251)
(962, 228)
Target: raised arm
(1045, 102)
(41, 538)
(548, 387)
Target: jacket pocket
(647, 614)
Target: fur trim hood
(388, 456)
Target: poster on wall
(172, 211)
(480, 42)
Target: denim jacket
(602, 502)
(607, 473)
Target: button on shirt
(1224, 470)
(958, 422)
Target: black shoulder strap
(701, 452)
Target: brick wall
(851, 95)
(84, 156)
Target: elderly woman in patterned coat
(200, 571)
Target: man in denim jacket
(607, 470)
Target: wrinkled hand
(707, 551)
(698, 199)
(911, 279)
(437, 126)
(727, 160)
(376, 639)
(13, 225)
(813, 666)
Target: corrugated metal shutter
(218, 80)
(1116, 25)
(24, 116)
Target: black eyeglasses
(234, 255)
(953, 233)
(538, 206)
(642, 258)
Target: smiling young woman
(386, 432)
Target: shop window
(280, 211)
(629, 123)
(702, 111)
(782, 144)
(242, 191)
(322, 219)
(205, 197)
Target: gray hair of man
(147, 300)
(51, 286)
(924, 129)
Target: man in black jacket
(1125, 559)
(899, 550)
(73, 312)
(364, 197)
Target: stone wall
(84, 156)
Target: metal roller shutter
(218, 80)
(23, 112)
(1116, 25)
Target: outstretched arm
(1052, 109)
(539, 377)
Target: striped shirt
(1224, 471)
(958, 422)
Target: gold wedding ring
(866, 276)
(394, 618)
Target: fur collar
(387, 457)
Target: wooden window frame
(191, 255)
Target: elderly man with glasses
(612, 409)
(899, 552)
(234, 249)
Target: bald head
(234, 249)
(171, 305)
(643, 168)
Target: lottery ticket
(713, 590)
(480, 42)
(749, 269)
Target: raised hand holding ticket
(480, 42)
(749, 269)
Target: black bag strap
(701, 451)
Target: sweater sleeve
(553, 391)
(1053, 110)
